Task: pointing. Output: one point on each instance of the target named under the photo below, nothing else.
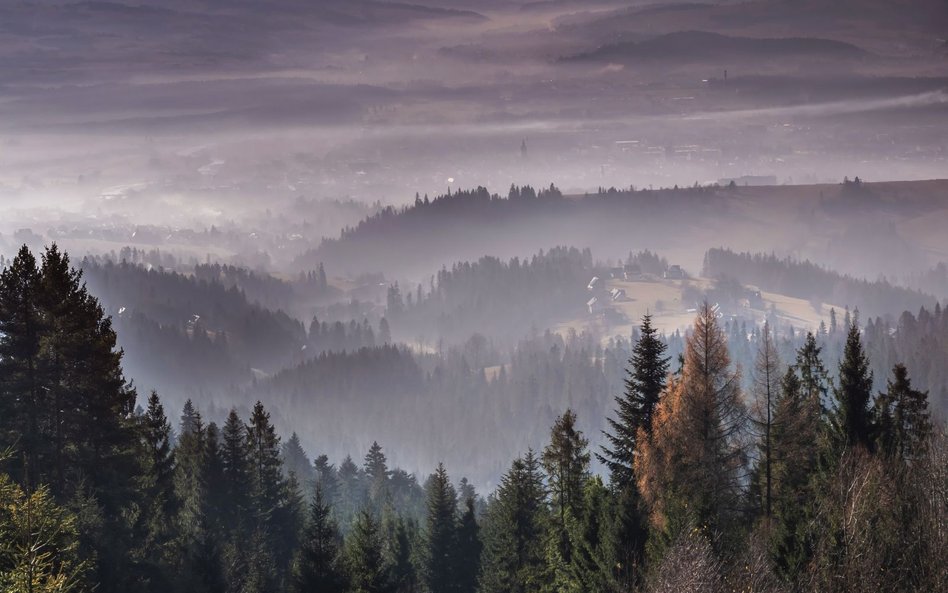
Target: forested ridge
(807, 280)
(462, 222)
(795, 478)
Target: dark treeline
(310, 288)
(493, 297)
(812, 282)
(453, 395)
(414, 238)
(263, 338)
(799, 483)
(268, 291)
(339, 337)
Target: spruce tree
(566, 461)
(295, 462)
(236, 472)
(795, 438)
(902, 417)
(401, 537)
(469, 549)
(852, 416)
(325, 476)
(368, 571)
(65, 404)
(644, 383)
(155, 523)
(514, 531)
(275, 502)
(318, 566)
(376, 471)
(441, 537)
(22, 395)
(263, 455)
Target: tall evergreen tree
(275, 502)
(401, 537)
(368, 571)
(852, 416)
(376, 471)
(155, 523)
(441, 534)
(644, 383)
(514, 529)
(318, 566)
(296, 462)
(22, 394)
(902, 417)
(66, 405)
(469, 549)
(795, 444)
(325, 476)
(566, 461)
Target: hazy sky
(199, 112)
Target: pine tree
(22, 327)
(594, 557)
(202, 530)
(295, 462)
(60, 374)
(275, 502)
(401, 537)
(644, 383)
(566, 461)
(441, 537)
(377, 474)
(325, 477)
(263, 455)
(513, 534)
(852, 417)
(237, 508)
(190, 421)
(155, 523)
(318, 567)
(351, 496)
(469, 549)
(902, 417)
(190, 457)
(368, 571)
(813, 376)
(796, 436)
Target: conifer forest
(457, 296)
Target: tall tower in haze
(523, 149)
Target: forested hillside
(491, 297)
(798, 482)
(457, 226)
(810, 281)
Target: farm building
(632, 272)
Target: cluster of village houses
(601, 295)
